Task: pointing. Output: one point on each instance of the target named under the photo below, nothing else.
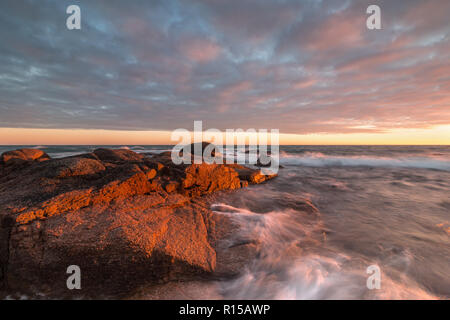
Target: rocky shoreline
(125, 219)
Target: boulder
(76, 166)
(198, 179)
(23, 155)
(252, 176)
(123, 218)
(199, 148)
(144, 239)
(117, 155)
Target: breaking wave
(317, 159)
(293, 262)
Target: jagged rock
(252, 176)
(171, 187)
(207, 178)
(122, 217)
(151, 173)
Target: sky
(139, 69)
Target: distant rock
(117, 155)
(199, 148)
(23, 155)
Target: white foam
(283, 269)
(320, 160)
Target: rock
(117, 155)
(264, 161)
(197, 150)
(165, 154)
(156, 185)
(6, 223)
(252, 176)
(23, 155)
(234, 259)
(124, 218)
(159, 166)
(116, 249)
(74, 166)
(186, 290)
(202, 146)
(171, 187)
(151, 174)
(205, 178)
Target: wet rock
(252, 176)
(244, 184)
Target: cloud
(300, 66)
(199, 50)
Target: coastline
(126, 219)
(308, 234)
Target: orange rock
(171, 187)
(207, 178)
(107, 212)
(252, 176)
(18, 156)
(151, 174)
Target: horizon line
(324, 145)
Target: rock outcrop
(122, 217)
(11, 157)
(22, 156)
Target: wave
(152, 151)
(317, 159)
(57, 155)
(294, 263)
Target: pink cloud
(304, 84)
(200, 50)
(232, 94)
(338, 31)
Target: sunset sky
(310, 68)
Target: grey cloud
(301, 66)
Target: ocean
(387, 206)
